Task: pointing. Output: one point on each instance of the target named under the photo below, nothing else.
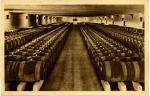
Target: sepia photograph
(88, 48)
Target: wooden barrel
(22, 40)
(47, 55)
(15, 43)
(103, 54)
(127, 59)
(27, 50)
(126, 54)
(114, 51)
(111, 71)
(9, 70)
(38, 58)
(105, 58)
(19, 53)
(101, 50)
(10, 44)
(13, 57)
(46, 50)
(6, 46)
(115, 71)
(18, 41)
(29, 71)
(142, 71)
(137, 73)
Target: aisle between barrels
(73, 70)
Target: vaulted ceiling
(76, 9)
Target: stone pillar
(123, 20)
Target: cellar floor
(73, 70)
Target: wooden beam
(137, 86)
(37, 85)
(122, 86)
(106, 85)
(21, 86)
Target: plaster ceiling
(76, 10)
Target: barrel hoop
(37, 70)
(124, 68)
(7, 69)
(12, 71)
(20, 73)
(16, 70)
(137, 70)
(108, 70)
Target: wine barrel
(30, 71)
(9, 70)
(18, 41)
(111, 71)
(105, 58)
(10, 44)
(27, 50)
(104, 54)
(38, 58)
(114, 51)
(126, 54)
(46, 50)
(115, 71)
(19, 53)
(101, 50)
(127, 59)
(142, 71)
(137, 73)
(40, 54)
(13, 57)
(6, 46)
(15, 43)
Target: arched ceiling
(76, 10)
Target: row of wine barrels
(114, 51)
(123, 29)
(15, 42)
(129, 29)
(129, 43)
(108, 57)
(28, 71)
(29, 64)
(23, 58)
(119, 53)
(122, 71)
(116, 46)
(122, 33)
(127, 66)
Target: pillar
(123, 19)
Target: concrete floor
(73, 70)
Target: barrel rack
(121, 86)
(22, 85)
